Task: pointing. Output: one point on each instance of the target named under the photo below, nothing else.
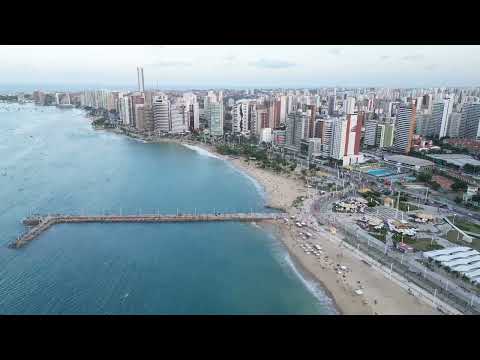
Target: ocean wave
(260, 189)
(312, 286)
(201, 151)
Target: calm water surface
(51, 161)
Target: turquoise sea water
(52, 161)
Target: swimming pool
(379, 172)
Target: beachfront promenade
(40, 224)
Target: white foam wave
(254, 181)
(201, 151)
(312, 286)
(207, 153)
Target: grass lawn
(379, 236)
(407, 206)
(465, 225)
(425, 244)
(452, 237)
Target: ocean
(52, 161)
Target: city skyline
(184, 67)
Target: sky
(202, 66)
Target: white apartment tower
(349, 107)
(161, 114)
(140, 80)
(454, 125)
(283, 109)
(440, 115)
(470, 120)
(405, 127)
(370, 133)
(240, 117)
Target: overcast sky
(242, 66)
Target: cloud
(335, 51)
(431, 67)
(171, 63)
(385, 57)
(272, 64)
(413, 57)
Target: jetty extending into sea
(38, 224)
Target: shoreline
(380, 295)
(383, 297)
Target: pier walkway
(40, 224)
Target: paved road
(447, 288)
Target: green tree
(424, 176)
(435, 185)
(459, 185)
(471, 169)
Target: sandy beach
(379, 294)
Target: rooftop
(457, 159)
(409, 160)
(461, 259)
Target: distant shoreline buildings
(327, 123)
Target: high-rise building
(440, 115)
(266, 135)
(454, 125)
(274, 113)
(380, 136)
(215, 113)
(283, 109)
(423, 124)
(262, 120)
(346, 138)
(148, 118)
(419, 103)
(349, 107)
(297, 122)
(140, 80)
(469, 125)
(389, 135)
(193, 110)
(370, 133)
(178, 118)
(405, 127)
(124, 109)
(139, 116)
(252, 117)
(427, 102)
(311, 111)
(318, 128)
(279, 137)
(134, 99)
(161, 114)
(324, 131)
(290, 105)
(241, 117)
(331, 105)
